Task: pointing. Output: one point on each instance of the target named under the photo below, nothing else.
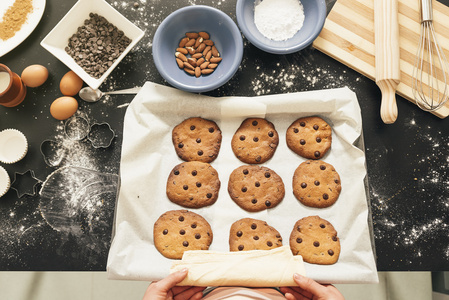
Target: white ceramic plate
(27, 28)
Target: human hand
(311, 290)
(166, 289)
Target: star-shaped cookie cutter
(25, 183)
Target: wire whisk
(430, 71)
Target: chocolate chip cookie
(255, 141)
(310, 137)
(177, 231)
(193, 184)
(251, 234)
(255, 188)
(316, 240)
(197, 139)
(316, 184)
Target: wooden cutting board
(348, 36)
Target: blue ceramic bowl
(314, 17)
(223, 32)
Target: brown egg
(70, 84)
(34, 75)
(63, 108)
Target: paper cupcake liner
(13, 146)
(5, 182)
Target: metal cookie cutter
(25, 183)
(76, 128)
(101, 135)
(53, 152)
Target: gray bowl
(222, 30)
(314, 17)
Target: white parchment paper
(148, 156)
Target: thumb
(308, 285)
(173, 279)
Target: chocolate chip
(245, 171)
(325, 196)
(316, 244)
(209, 195)
(317, 153)
(239, 233)
(303, 185)
(330, 252)
(241, 247)
(257, 184)
(165, 232)
(322, 226)
(334, 238)
(200, 152)
(267, 203)
(255, 123)
(185, 187)
(182, 232)
(302, 124)
(254, 201)
(267, 174)
(242, 137)
(185, 244)
(193, 225)
(269, 244)
(336, 181)
(194, 173)
(256, 139)
(270, 133)
(198, 184)
(318, 140)
(316, 127)
(180, 145)
(192, 127)
(316, 182)
(323, 167)
(298, 228)
(278, 236)
(299, 240)
(181, 219)
(255, 237)
(176, 172)
(197, 236)
(198, 140)
(253, 226)
(302, 141)
(211, 130)
(295, 130)
(244, 189)
(258, 158)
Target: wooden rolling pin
(386, 32)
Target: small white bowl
(13, 146)
(5, 182)
(56, 41)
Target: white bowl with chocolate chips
(92, 39)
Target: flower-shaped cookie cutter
(101, 135)
(25, 183)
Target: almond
(209, 42)
(204, 65)
(181, 56)
(197, 55)
(191, 50)
(215, 59)
(188, 66)
(198, 42)
(192, 35)
(208, 55)
(215, 51)
(201, 48)
(182, 50)
(206, 71)
(180, 63)
(212, 66)
(183, 42)
(197, 72)
(206, 50)
(200, 60)
(191, 61)
(190, 43)
(204, 35)
(189, 71)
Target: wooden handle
(386, 31)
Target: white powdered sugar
(279, 20)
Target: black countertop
(407, 162)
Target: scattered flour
(279, 20)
